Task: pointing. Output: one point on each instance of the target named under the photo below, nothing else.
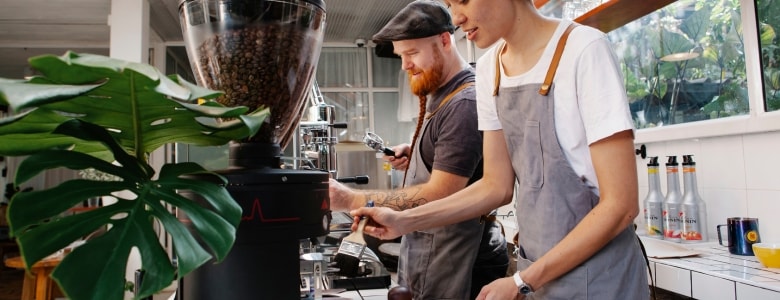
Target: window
(351, 108)
(768, 18)
(342, 67)
(383, 69)
(365, 103)
(684, 63)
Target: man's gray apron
(552, 199)
(437, 263)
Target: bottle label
(672, 221)
(654, 220)
(691, 227)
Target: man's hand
(383, 223)
(401, 159)
(500, 289)
(341, 196)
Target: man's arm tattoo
(398, 200)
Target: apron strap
(545, 89)
(448, 98)
(497, 79)
(548, 79)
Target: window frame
(757, 120)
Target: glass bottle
(672, 202)
(653, 204)
(694, 211)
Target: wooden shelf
(613, 14)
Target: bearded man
(455, 261)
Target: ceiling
(34, 27)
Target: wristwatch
(522, 287)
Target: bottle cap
(653, 161)
(688, 160)
(671, 160)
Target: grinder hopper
(261, 54)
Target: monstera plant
(94, 112)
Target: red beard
(430, 79)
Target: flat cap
(419, 19)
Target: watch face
(525, 289)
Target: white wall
(737, 177)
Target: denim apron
(552, 199)
(437, 263)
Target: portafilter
(373, 141)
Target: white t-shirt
(590, 98)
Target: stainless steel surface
(317, 138)
(356, 159)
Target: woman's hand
(500, 289)
(384, 223)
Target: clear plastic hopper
(262, 54)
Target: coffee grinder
(261, 54)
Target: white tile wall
(738, 176)
(765, 205)
(720, 164)
(762, 161)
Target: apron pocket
(533, 171)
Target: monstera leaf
(142, 108)
(88, 111)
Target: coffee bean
(264, 65)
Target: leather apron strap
(448, 98)
(548, 79)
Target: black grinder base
(280, 207)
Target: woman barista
(556, 122)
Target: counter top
(713, 261)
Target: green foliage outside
(768, 24)
(711, 76)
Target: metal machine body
(317, 134)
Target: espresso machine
(261, 54)
(317, 135)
